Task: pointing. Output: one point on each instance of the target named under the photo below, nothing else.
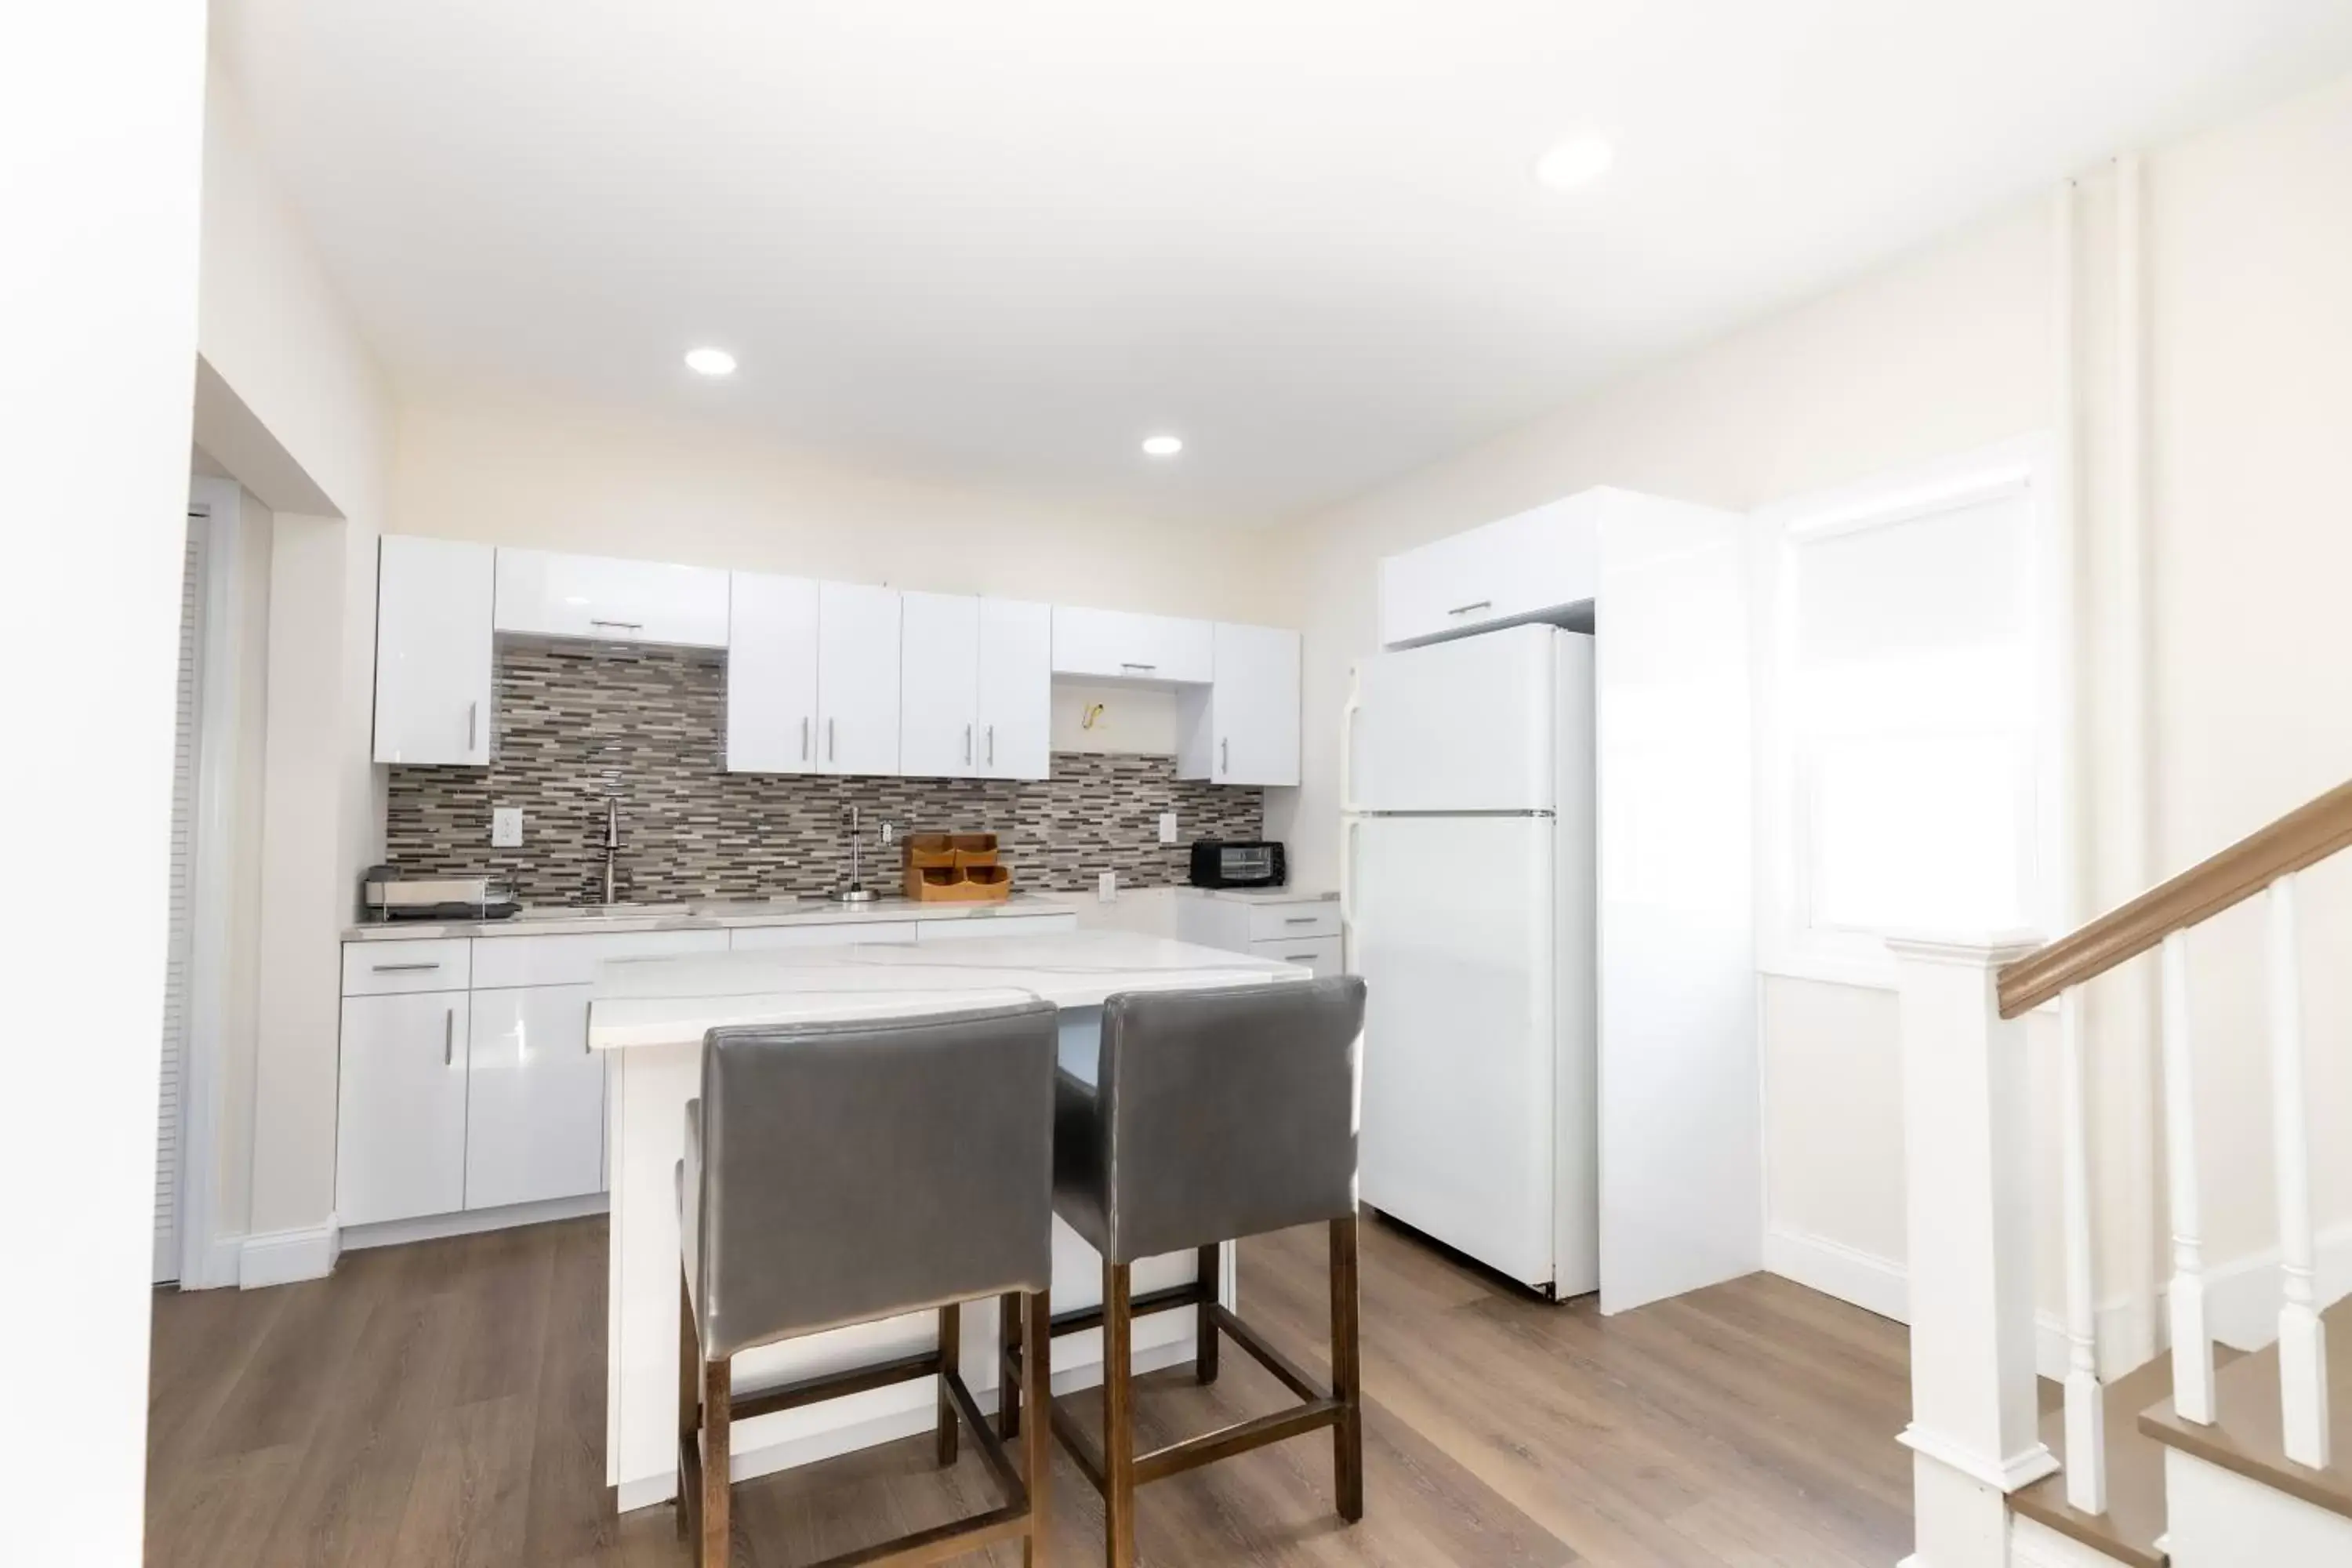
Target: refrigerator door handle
(1348, 712)
(1348, 830)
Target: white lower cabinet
(1294, 928)
(400, 1148)
(534, 1098)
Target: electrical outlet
(1107, 887)
(1167, 828)
(506, 827)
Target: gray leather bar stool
(1213, 1115)
(838, 1173)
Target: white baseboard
(282, 1257)
(1873, 1283)
(223, 1265)
(470, 1222)
(2035, 1545)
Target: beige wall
(2249, 335)
(306, 418)
(513, 468)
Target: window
(1912, 662)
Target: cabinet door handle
(1300, 957)
(804, 738)
(619, 625)
(967, 745)
(473, 724)
(449, 1037)
(1465, 609)
(1123, 665)
(991, 745)
(1300, 919)
(1225, 756)
(402, 968)
(831, 749)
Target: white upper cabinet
(976, 690)
(433, 658)
(771, 653)
(541, 594)
(938, 685)
(1244, 730)
(1016, 690)
(857, 679)
(1521, 568)
(1116, 645)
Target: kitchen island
(651, 1016)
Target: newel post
(1968, 1161)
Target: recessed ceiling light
(1579, 160)
(710, 362)
(1162, 446)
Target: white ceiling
(1002, 240)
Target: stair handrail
(2302, 838)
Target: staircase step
(2247, 1436)
(2128, 1531)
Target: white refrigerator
(1468, 897)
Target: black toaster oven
(1238, 863)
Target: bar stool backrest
(1227, 1112)
(855, 1171)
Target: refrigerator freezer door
(1452, 922)
(1456, 727)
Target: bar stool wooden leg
(1037, 1454)
(689, 1398)
(950, 1363)
(1347, 1373)
(1119, 1419)
(1205, 1320)
(718, 1413)
(1009, 1311)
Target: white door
(433, 656)
(400, 1138)
(547, 593)
(1682, 1146)
(534, 1098)
(939, 685)
(1016, 690)
(1254, 707)
(1450, 921)
(857, 679)
(771, 647)
(1470, 725)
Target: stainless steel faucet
(611, 843)
(857, 892)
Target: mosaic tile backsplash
(577, 723)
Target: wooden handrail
(2304, 837)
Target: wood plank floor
(442, 1405)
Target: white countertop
(1260, 895)
(673, 1001)
(709, 914)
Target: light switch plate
(506, 827)
(1107, 887)
(1167, 828)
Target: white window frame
(1788, 944)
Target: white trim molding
(1860, 1279)
(283, 1256)
(471, 1222)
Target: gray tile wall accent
(575, 722)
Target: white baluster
(2086, 1416)
(2303, 1339)
(2192, 1342)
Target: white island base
(652, 1015)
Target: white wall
(101, 110)
(2249, 330)
(1943, 354)
(303, 419)
(514, 469)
